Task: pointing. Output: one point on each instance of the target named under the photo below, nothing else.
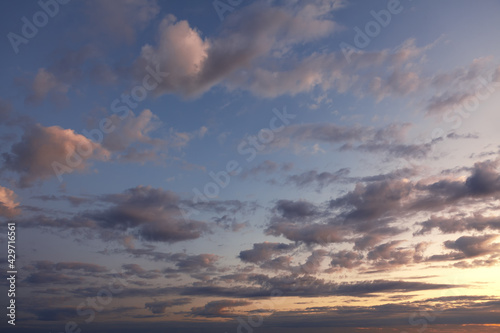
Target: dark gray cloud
(158, 307)
(295, 210)
(265, 251)
(217, 308)
(153, 213)
(474, 246)
(318, 179)
(373, 200)
(484, 181)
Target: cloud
(295, 210)
(9, 207)
(119, 21)
(196, 63)
(484, 181)
(47, 272)
(346, 259)
(264, 251)
(310, 286)
(46, 84)
(388, 139)
(85, 267)
(64, 72)
(389, 74)
(137, 270)
(217, 308)
(314, 262)
(196, 263)
(145, 213)
(458, 89)
(230, 223)
(131, 140)
(153, 214)
(476, 222)
(474, 246)
(309, 234)
(319, 179)
(278, 263)
(158, 307)
(73, 200)
(131, 130)
(40, 147)
(373, 200)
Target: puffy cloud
(374, 200)
(154, 214)
(181, 53)
(484, 181)
(474, 246)
(44, 152)
(346, 259)
(309, 233)
(367, 215)
(9, 207)
(264, 251)
(295, 210)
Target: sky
(250, 166)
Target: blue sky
(346, 152)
